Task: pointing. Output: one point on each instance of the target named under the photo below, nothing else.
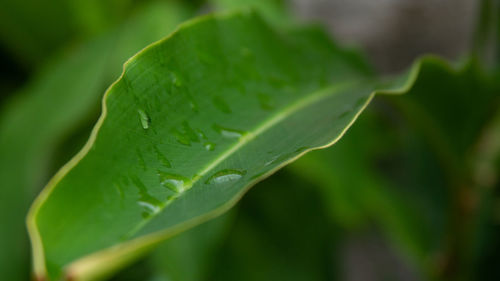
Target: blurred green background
(410, 193)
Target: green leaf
(276, 11)
(64, 95)
(193, 122)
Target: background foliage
(410, 192)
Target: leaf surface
(193, 122)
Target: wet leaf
(118, 197)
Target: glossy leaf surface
(193, 122)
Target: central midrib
(249, 136)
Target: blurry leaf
(357, 194)
(62, 97)
(487, 35)
(190, 255)
(193, 122)
(487, 248)
(185, 257)
(451, 108)
(33, 29)
(286, 239)
(276, 11)
(94, 16)
(410, 200)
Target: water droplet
(273, 159)
(173, 182)
(148, 202)
(162, 158)
(201, 134)
(225, 176)
(228, 133)
(279, 159)
(150, 207)
(221, 105)
(210, 146)
(144, 118)
(186, 135)
(176, 80)
(119, 190)
(181, 138)
(265, 101)
(192, 103)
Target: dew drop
(181, 138)
(228, 133)
(265, 101)
(150, 207)
(271, 161)
(279, 158)
(192, 103)
(162, 158)
(173, 182)
(201, 134)
(148, 202)
(144, 118)
(176, 80)
(221, 105)
(119, 190)
(210, 146)
(225, 176)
